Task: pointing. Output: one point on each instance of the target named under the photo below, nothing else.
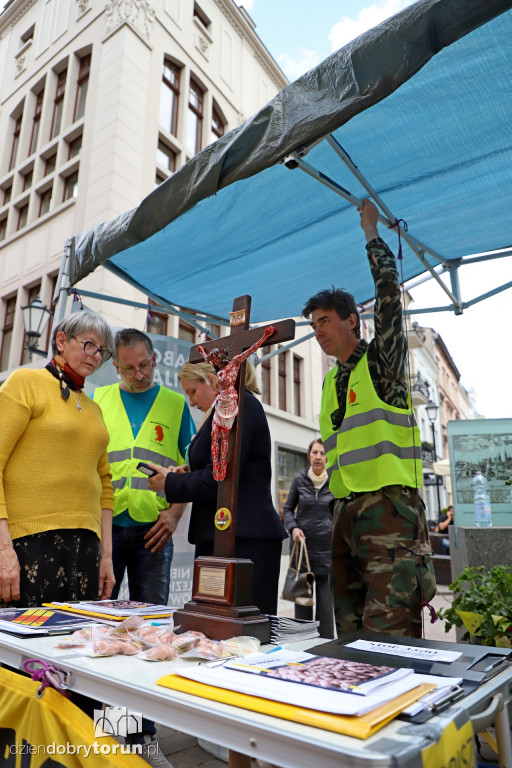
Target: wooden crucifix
(222, 599)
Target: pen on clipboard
(439, 699)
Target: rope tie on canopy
(76, 297)
(433, 615)
(396, 225)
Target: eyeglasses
(91, 350)
(130, 373)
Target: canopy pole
(416, 245)
(60, 297)
(160, 308)
(488, 295)
(455, 283)
(293, 161)
(413, 241)
(488, 256)
(283, 348)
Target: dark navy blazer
(256, 515)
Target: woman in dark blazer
(259, 532)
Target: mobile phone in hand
(149, 471)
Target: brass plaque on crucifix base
(222, 596)
(222, 602)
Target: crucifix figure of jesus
(226, 402)
(230, 362)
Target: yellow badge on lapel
(222, 519)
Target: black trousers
(324, 609)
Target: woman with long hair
(259, 532)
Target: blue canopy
(421, 105)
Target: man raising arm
(381, 567)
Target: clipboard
(476, 665)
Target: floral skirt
(58, 565)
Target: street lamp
(432, 410)
(35, 317)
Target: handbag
(298, 587)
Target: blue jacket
(256, 515)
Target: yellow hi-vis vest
(376, 445)
(157, 441)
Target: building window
(82, 85)
(159, 178)
(289, 463)
(22, 216)
(75, 147)
(281, 371)
(165, 157)
(28, 36)
(50, 164)
(217, 125)
(45, 199)
(201, 16)
(15, 142)
(156, 321)
(58, 104)
(3, 228)
(36, 122)
(265, 376)
(186, 332)
(32, 295)
(169, 97)
(70, 186)
(194, 118)
(27, 179)
(296, 384)
(213, 331)
(10, 309)
(7, 194)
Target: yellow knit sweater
(54, 471)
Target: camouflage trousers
(380, 572)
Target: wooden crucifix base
(221, 601)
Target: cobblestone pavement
(183, 751)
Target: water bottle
(481, 501)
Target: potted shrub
(482, 604)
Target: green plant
(482, 603)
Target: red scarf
(77, 380)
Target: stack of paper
(284, 630)
(116, 610)
(342, 696)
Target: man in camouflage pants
(381, 566)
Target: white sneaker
(221, 753)
(153, 755)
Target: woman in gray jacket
(307, 516)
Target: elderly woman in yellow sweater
(56, 496)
